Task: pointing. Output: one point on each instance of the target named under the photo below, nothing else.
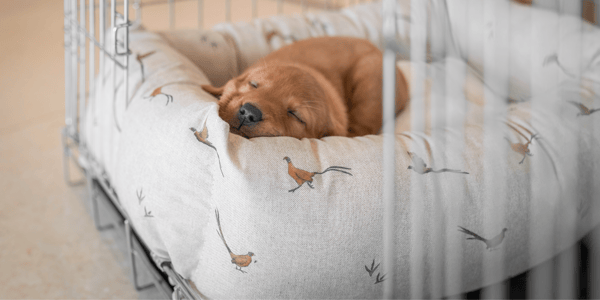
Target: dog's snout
(249, 114)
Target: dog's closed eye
(253, 83)
(290, 112)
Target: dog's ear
(215, 91)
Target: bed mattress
(228, 214)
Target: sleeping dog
(328, 86)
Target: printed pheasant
(202, 137)
(240, 261)
(288, 39)
(302, 176)
(583, 110)
(157, 92)
(490, 244)
(419, 166)
(523, 149)
(553, 58)
(139, 58)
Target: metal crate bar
(125, 54)
(594, 245)
(496, 18)
(171, 14)
(418, 225)
(134, 247)
(97, 44)
(389, 140)
(567, 261)
(548, 279)
(437, 221)
(200, 14)
(100, 45)
(74, 68)
(68, 70)
(82, 74)
(228, 10)
(113, 25)
(540, 279)
(182, 287)
(455, 118)
(92, 57)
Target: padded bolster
(208, 50)
(198, 194)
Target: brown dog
(312, 88)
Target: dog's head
(277, 100)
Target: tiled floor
(49, 247)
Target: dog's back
(334, 57)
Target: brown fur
(312, 88)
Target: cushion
(202, 197)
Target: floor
(49, 246)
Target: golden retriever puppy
(328, 86)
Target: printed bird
(379, 279)
(491, 243)
(522, 148)
(419, 166)
(301, 176)
(202, 137)
(584, 110)
(372, 269)
(158, 91)
(287, 38)
(240, 261)
(139, 58)
(553, 58)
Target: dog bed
(200, 196)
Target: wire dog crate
(92, 30)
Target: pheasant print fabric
(240, 261)
(158, 92)
(485, 176)
(301, 176)
(202, 137)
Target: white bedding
(322, 242)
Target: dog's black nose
(249, 114)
